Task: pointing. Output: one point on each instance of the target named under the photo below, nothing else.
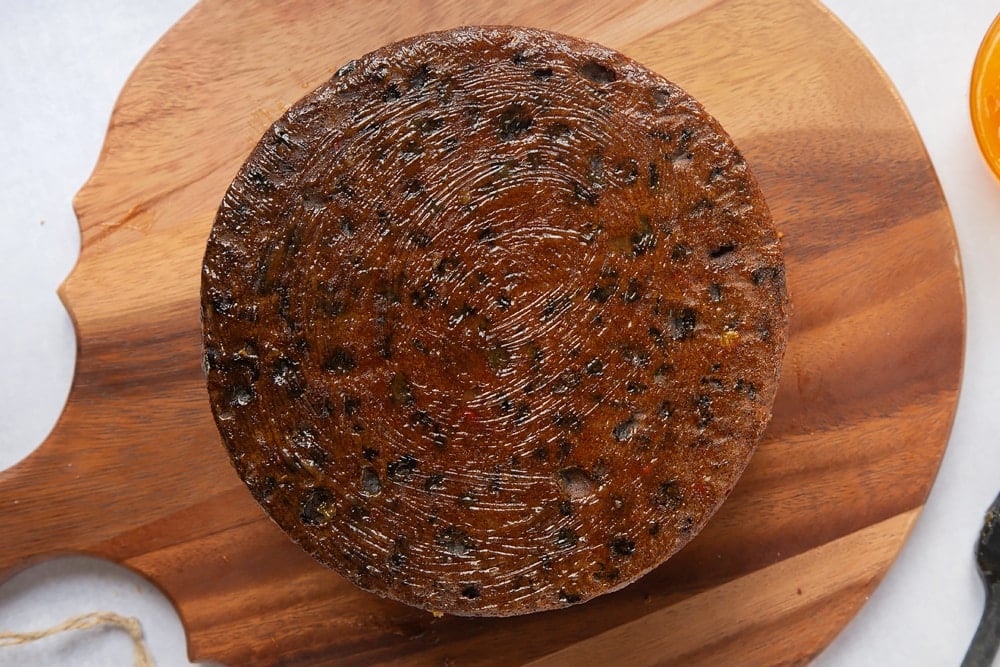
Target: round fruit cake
(493, 320)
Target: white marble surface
(61, 67)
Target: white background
(62, 65)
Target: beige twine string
(85, 622)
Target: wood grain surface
(135, 472)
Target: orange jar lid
(984, 97)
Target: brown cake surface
(493, 320)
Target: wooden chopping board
(135, 472)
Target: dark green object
(984, 645)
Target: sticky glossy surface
(493, 320)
